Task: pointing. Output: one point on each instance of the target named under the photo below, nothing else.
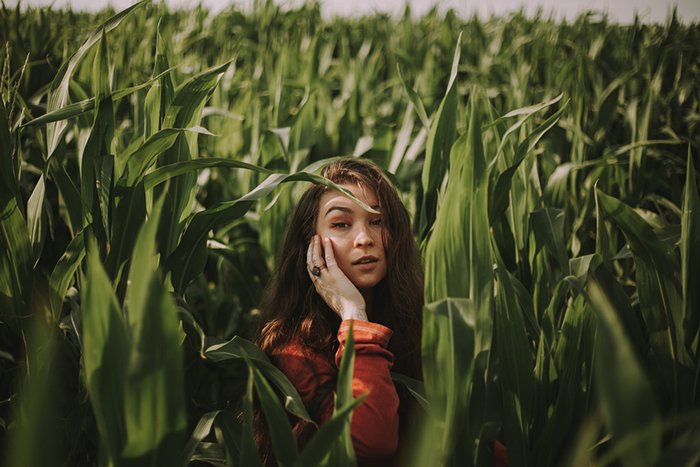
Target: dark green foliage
(146, 170)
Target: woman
(342, 264)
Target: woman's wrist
(357, 313)
(352, 309)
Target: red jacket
(375, 423)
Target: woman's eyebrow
(346, 209)
(338, 208)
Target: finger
(328, 250)
(309, 261)
(317, 253)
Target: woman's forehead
(335, 198)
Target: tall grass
(149, 160)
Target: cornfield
(149, 160)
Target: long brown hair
(292, 311)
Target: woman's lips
(366, 266)
(365, 260)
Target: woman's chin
(364, 283)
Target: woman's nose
(364, 237)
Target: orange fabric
(375, 423)
(500, 454)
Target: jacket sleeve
(374, 425)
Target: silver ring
(316, 271)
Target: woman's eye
(376, 222)
(339, 225)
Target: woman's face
(356, 235)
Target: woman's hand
(331, 283)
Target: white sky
(620, 11)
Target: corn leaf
(63, 273)
(77, 109)
(59, 92)
(690, 258)
(626, 397)
(201, 431)
(657, 285)
(516, 365)
(249, 452)
(184, 112)
(448, 351)
(16, 251)
(341, 450)
(415, 100)
(283, 441)
(167, 172)
(154, 397)
(161, 94)
(129, 215)
(547, 226)
(106, 350)
(316, 452)
(240, 348)
(36, 218)
(437, 148)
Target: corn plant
(149, 164)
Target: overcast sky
(621, 10)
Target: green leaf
(138, 162)
(185, 111)
(63, 272)
(690, 258)
(564, 378)
(458, 253)
(9, 176)
(658, 286)
(167, 172)
(96, 163)
(283, 441)
(59, 91)
(415, 100)
(154, 393)
(69, 193)
(240, 348)
(86, 105)
(16, 270)
(626, 396)
(341, 451)
(317, 450)
(302, 135)
(249, 452)
(437, 148)
(200, 432)
(129, 216)
(458, 263)
(229, 431)
(516, 362)
(414, 386)
(16, 260)
(161, 94)
(36, 218)
(104, 184)
(106, 350)
(500, 192)
(448, 359)
(528, 112)
(548, 227)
